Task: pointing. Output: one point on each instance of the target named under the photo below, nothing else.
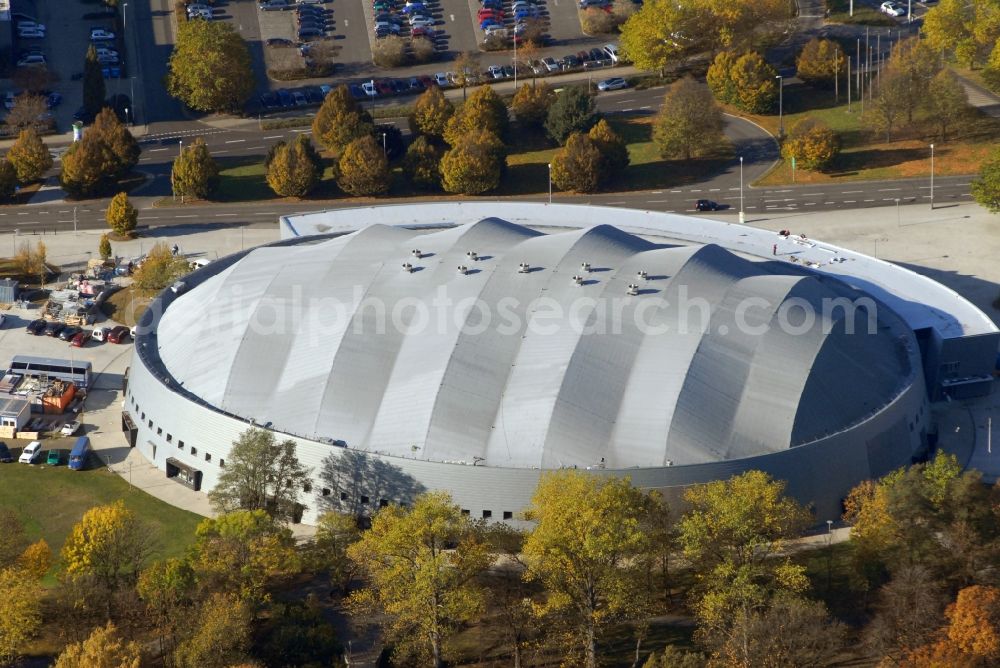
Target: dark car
(415, 85)
(384, 87)
(5, 456)
(37, 327)
(53, 100)
(83, 115)
(313, 95)
(118, 334)
(399, 86)
(81, 338)
(284, 98)
(427, 80)
(706, 205)
(570, 61)
(269, 101)
(310, 31)
(357, 92)
(54, 327)
(279, 41)
(68, 332)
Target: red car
(118, 334)
(81, 339)
(495, 14)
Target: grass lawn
(127, 305)
(50, 500)
(865, 156)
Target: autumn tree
(423, 163)
(573, 110)
(755, 84)
(8, 179)
(673, 656)
(588, 551)
(364, 168)
(121, 216)
(889, 104)
(914, 63)
(947, 102)
(974, 622)
(908, 611)
(653, 38)
(719, 77)
(467, 69)
(30, 260)
(484, 110)
(820, 62)
(340, 120)
(107, 548)
(89, 167)
(104, 247)
(689, 121)
(327, 552)
(194, 173)
(577, 165)
(430, 114)
(30, 156)
(104, 648)
(812, 144)
(531, 103)
(474, 165)
(220, 636)
(168, 589)
(13, 539)
(294, 168)
(93, 83)
(423, 589)
(159, 268)
(967, 31)
(26, 112)
(986, 186)
(118, 138)
(260, 474)
(20, 613)
(614, 152)
(209, 68)
(36, 560)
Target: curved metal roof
(555, 366)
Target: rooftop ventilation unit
(416, 253)
(407, 267)
(462, 269)
(523, 268)
(578, 280)
(585, 267)
(472, 255)
(643, 276)
(633, 289)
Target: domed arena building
(469, 347)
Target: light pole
(385, 151)
(179, 153)
(932, 177)
(742, 219)
(897, 212)
(550, 183)
(781, 105)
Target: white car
(614, 83)
(421, 22)
(70, 428)
(441, 79)
(107, 59)
(203, 14)
(100, 33)
(369, 88)
(612, 51)
(30, 25)
(31, 453)
(106, 52)
(30, 59)
(29, 33)
(892, 9)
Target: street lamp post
(385, 151)
(781, 105)
(550, 183)
(742, 219)
(897, 213)
(179, 153)
(932, 177)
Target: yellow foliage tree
(474, 165)
(104, 648)
(812, 143)
(122, 217)
(431, 112)
(484, 110)
(820, 61)
(36, 560)
(577, 165)
(221, 636)
(20, 612)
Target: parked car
(118, 334)
(37, 327)
(28, 33)
(25, 24)
(107, 59)
(31, 59)
(441, 79)
(78, 455)
(569, 62)
(612, 51)
(68, 332)
(101, 333)
(70, 428)
(422, 31)
(369, 88)
(892, 9)
(357, 91)
(384, 87)
(54, 327)
(309, 32)
(416, 8)
(54, 458)
(706, 205)
(311, 2)
(81, 338)
(299, 98)
(614, 83)
(53, 100)
(31, 453)
(269, 101)
(284, 97)
(274, 5)
(5, 456)
(100, 33)
(421, 21)
(279, 42)
(203, 14)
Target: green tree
(614, 152)
(340, 120)
(209, 68)
(194, 173)
(294, 168)
(168, 588)
(159, 269)
(820, 62)
(915, 64)
(754, 83)
(475, 165)
(431, 112)
(364, 168)
(93, 83)
(573, 110)
(423, 164)
(118, 138)
(947, 101)
(675, 657)
(89, 167)
(531, 103)
(121, 216)
(811, 143)
(986, 187)
(964, 30)
(484, 110)
(689, 121)
(8, 179)
(103, 648)
(577, 165)
(220, 635)
(30, 157)
(466, 69)
(589, 551)
(720, 77)
(424, 589)
(884, 111)
(20, 613)
(260, 474)
(104, 247)
(335, 532)
(107, 548)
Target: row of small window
(487, 514)
(170, 438)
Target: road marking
(345, 23)
(829, 202)
(254, 148)
(302, 130)
(884, 190)
(810, 203)
(869, 200)
(712, 190)
(695, 190)
(274, 137)
(655, 192)
(150, 218)
(190, 215)
(609, 203)
(651, 201)
(63, 210)
(218, 152)
(850, 201)
(220, 215)
(265, 213)
(452, 17)
(676, 191)
(154, 150)
(22, 213)
(629, 109)
(235, 141)
(646, 107)
(811, 194)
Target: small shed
(9, 290)
(14, 412)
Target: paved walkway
(980, 98)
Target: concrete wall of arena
(819, 474)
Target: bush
(159, 268)
(293, 168)
(29, 156)
(8, 179)
(364, 169)
(423, 164)
(423, 49)
(812, 144)
(389, 52)
(431, 112)
(577, 166)
(595, 21)
(475, 165)
(571, 111)
(531, 103)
